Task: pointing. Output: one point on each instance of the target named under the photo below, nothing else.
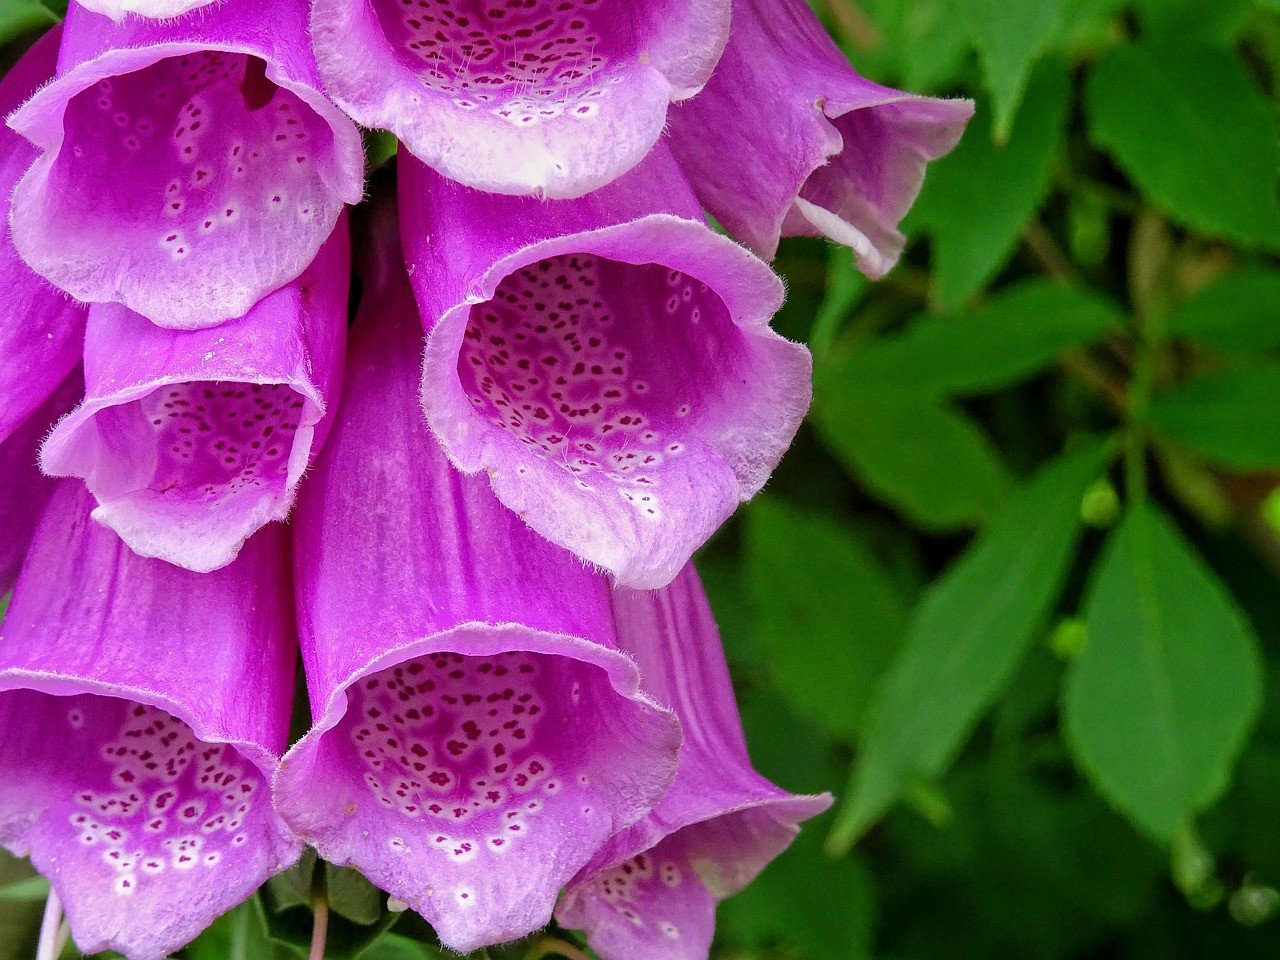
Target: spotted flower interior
(188, 162)
(515, 95)
(213, 458)
(135, 813)
(189, 165)
(562, 359)
(524, 62)
(468, 784)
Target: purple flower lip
(188, 167)
(41, 329)
(159, 9)
(478, 735)
(842, 158)
(652, 890)
(608, 362)
(192, 440)
(554, 98)
(23, 488)
(138, 735)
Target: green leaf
(1010, 37)
(1158, 704)
(28, 890)
(845, 287)
(1182, 20)
(238, 935)
(821, 908)
(977, 199)
(1238, 312)
(1232, 418)
(1025, 328)
(894, 443)
(291, 926)
(1191, 129)
(918, 44)
(19, 17)
(966, 639)
(828, 617)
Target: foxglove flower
(188, 167)
(548, 97)
(193, 439)
(23, 488)
(607, 361)
(651, 893)
(141, 711)
(477, 734)
(787, 139)
(119, 9)
(41, 329)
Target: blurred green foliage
(1013, 595)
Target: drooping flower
(188, 167)
(786, 139)
(193, 439)
(141, 711)
(23, 488)
(548, 97)
(119, 9)
(607, 361)
(477, 734)
(651, 893)
(41, 329)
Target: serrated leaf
(1232, 418)
(894, 444)
(1158, 704)
(1237, 312)
(828, 617)
(977, 199)
(1207, 155)
(1010, 37)
(1016, 334)
(966, 639)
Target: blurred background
(1013, 596)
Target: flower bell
(608, 362)
(835, 156)
(651, 893)
(188, 167)
(142, 708)
(478, 735)
(554, 98)
(193, 439)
